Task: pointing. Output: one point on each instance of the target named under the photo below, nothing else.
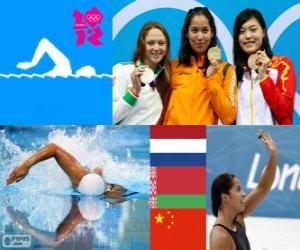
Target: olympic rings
(93, 18)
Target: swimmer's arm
(44, 237)
(65, 229)
(65, 160)
(49, 240)
(69, 224)
(21, 220)
(257, 195)
(22, 170)
(220, 240)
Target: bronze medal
(252, 62)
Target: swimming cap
(91, 184)
(91, 208)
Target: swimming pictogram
(62, 65)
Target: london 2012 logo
(87, 28)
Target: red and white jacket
(270, 100)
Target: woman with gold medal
(202, 87)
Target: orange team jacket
(280, 96)
(196, 99)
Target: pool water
(43, 207)
(75, 222)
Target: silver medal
(147, 76)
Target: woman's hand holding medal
(260, 62)
(141, 76)
(214, 56)
(135, 78)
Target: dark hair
(221, 185)
(186, 50)
(139, 54)
(240, 57)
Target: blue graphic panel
(64, 82)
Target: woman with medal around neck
(140, 87)
(230, 205)
(203, 88)
(266, 83)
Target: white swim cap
(91, 209)
(91, 184)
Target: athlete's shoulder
(175, 63)
(280, 60)
(220, 238)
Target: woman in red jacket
(266, 83)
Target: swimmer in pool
(86, 181)
(74, 230)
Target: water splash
(87, 144)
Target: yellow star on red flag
(159, 218)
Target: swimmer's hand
(267, 140)
(17, 174)
(24, 65)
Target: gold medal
(252, 62)
(214, 54)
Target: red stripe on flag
(181, 180)
(178, 132)
(177, 229)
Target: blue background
(53, 101)
(287, 44)
(232, 149)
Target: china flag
(177, 229)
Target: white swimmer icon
(62, 66)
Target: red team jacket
(280, 96)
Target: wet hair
(221, 185)
(186, 50)
(139, 54)
(240, 57)
(111, 194)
